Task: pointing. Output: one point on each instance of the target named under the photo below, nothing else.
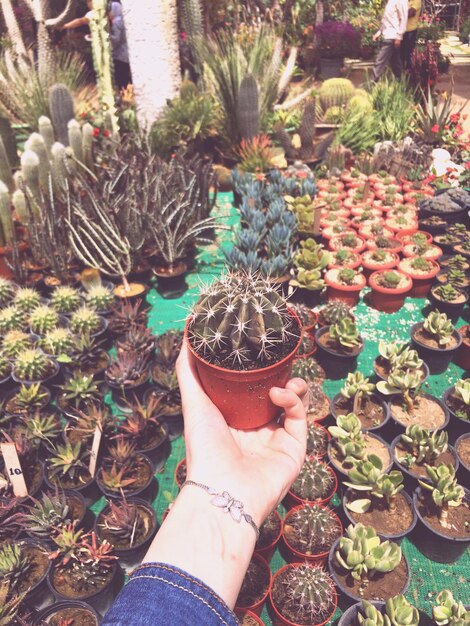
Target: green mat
(428, 578)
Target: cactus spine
(59, 165)
(37, 145)
(248, 108)
(19, 204)
(46, 130)
(75, 139)
(102, 61)
(30, 174)
(62, 110)
(7, 136)
(335, 92)
(87, 146)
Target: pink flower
(435, 128)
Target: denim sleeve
(158, 594)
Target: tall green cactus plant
(248, 107)
(62, 111)
(307, 128)
(191, 17)
(6, 220)
(6, 176)
(102, 61)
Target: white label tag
(95, 448)
(14, 470)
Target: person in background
(409, 38)
(392, 29)
(117, 35)
(80, 21)
(193, 570)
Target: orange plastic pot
(243, 396)
(436, 252)
(405, 236)
(267, 551)
(257, 607)
(335, 244)
(422, 283)
(241, 614)
(352, 264)
(279, 619)
(346, 293)
(369, 267)
(291, 500)
(385, 299)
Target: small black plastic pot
(396, 537)
(411, 480)
(310, 297)
(457, 426)
(125, 393)
(131, 557)
(463, 473)
(158, 453)
(100, 600)
(171, 286)
(175, 422)
(89, 490)
(453, 310)
(38, 595)
(400, 428)
(49, 381)
(437, 359)
(348, 594)
(349, 617)
(15, 390)
(335, 364)
(436, 545)
(51, 611)
(377, 398)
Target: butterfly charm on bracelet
(230, 505)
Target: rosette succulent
(445, 490)
(423, 446)
(448, 611)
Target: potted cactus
(308, 369)
(409, 405)
(386, 507)
(389, 288)
(238, 367)
(127, 374)
(100, 298)
(34, 366)
(457, 400)
(67, 468)
(350, 444)
(442, 506)
(364, 567)
(384, 242)
(59, 343)
(12, 318)
(65, 300)
(316, 483)
(333, 312)
(357, 396)
(374, 260)
(86, 321)
(351, 242)
(436, 341)
(26, 299)
(448, 299)
(43, 319)
(345, 285)
(302, 594)
(338, 347)
(7, 291)
(15, 341)
(317, 439)
(318, 407)
(344, 259)
(309, 531)
(395, 355)
(255, 586)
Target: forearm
(80, 21)
(206, 542)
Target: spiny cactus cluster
(27, 299)
(334, 312)
(315, 481)
(65, 299)
(58, 341)
(317, 440)
(100, 298)
(43, 319)
(305, 594)
(312, 529)
(32, 365)
(14, 342)
(242, 321)
(424, 446)
(11, 318)
(7, 290)
(335, 92)
(85, 321)
(308, 369)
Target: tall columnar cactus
(307, 128)
(102, 61)
(59, 165)
(248, 107)
(335, 92)
(36, 144)
(30, 175)
(87, 146)
(7, 136)
(46, 130)
(240, 319)
(6, 221)
(5, 167)
(75, 139)
(62, 111)
(191, 14)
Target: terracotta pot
(268, 550)
(409, 228)
(353, 264)
(395, 246)
(406, 237)
(278, 619)
(334, 241)
(240, 613)
(243, 396)
(292, 554)
(366, 233)
(422, 283)
(345, 293)
(257, 607)
(370, 266)
(359, 211)
(329, 232)
(385, 299)
(435, 253)
(291, 500)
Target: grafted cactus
(241, 319)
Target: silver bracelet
(225, 501)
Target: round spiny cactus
(65, 299)
(58, 341)
(317, 440)
(312, 529)
(315, 481)
(14, 342)
(11, 318)
(100, 298)
(33, 365)
(7, 290)
(27, 299)
(308, 369)
(85, 320)
(242, 321)
(304, 594)
(335, 311)
(5, 366)
(43, 319)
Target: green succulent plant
(100, 298)
(33, 365)
(65, 299)
(7, 291)
(346, 276)
(11, 318)
(445, 490)
(5, 366)
(401, 382)
(448, 611)
(458, 262)
(390, 279)
(15, 342)
(311, 256)
(43, 319)
(423, 446)
(369, 615)
(363, 554)
(239, 320)
(314, 482)
(85, 321)
(10, 607)
(30, 397)
(345, 333)
(308, 279)
(457, 278)
(357, 386)
(313, 528)
(67, 460)
(447, 293)
(47, 515)
(348, 438)
(399, 612)
(42, 427)
(462, 393)
(27, 299)
(14, 564)
(439, 327)
(80, 389)
(58, 341)
(368, 475)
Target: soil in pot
(462, 447)
(65, 583)
(325, 341)
(143, 528)
(318, 403)
(458, 521)
(437, 357)
(427, 412)
(401, 452)
(40, 564)
(78, 614)
(255, 586)
(81, 479)
(248, 618)
(141, 473)
(130, 291)
(458, 407)
(382, 369)
(371, 413)
(386, 522)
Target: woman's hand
(257, 466)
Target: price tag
(13, 469)
(95, 448)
